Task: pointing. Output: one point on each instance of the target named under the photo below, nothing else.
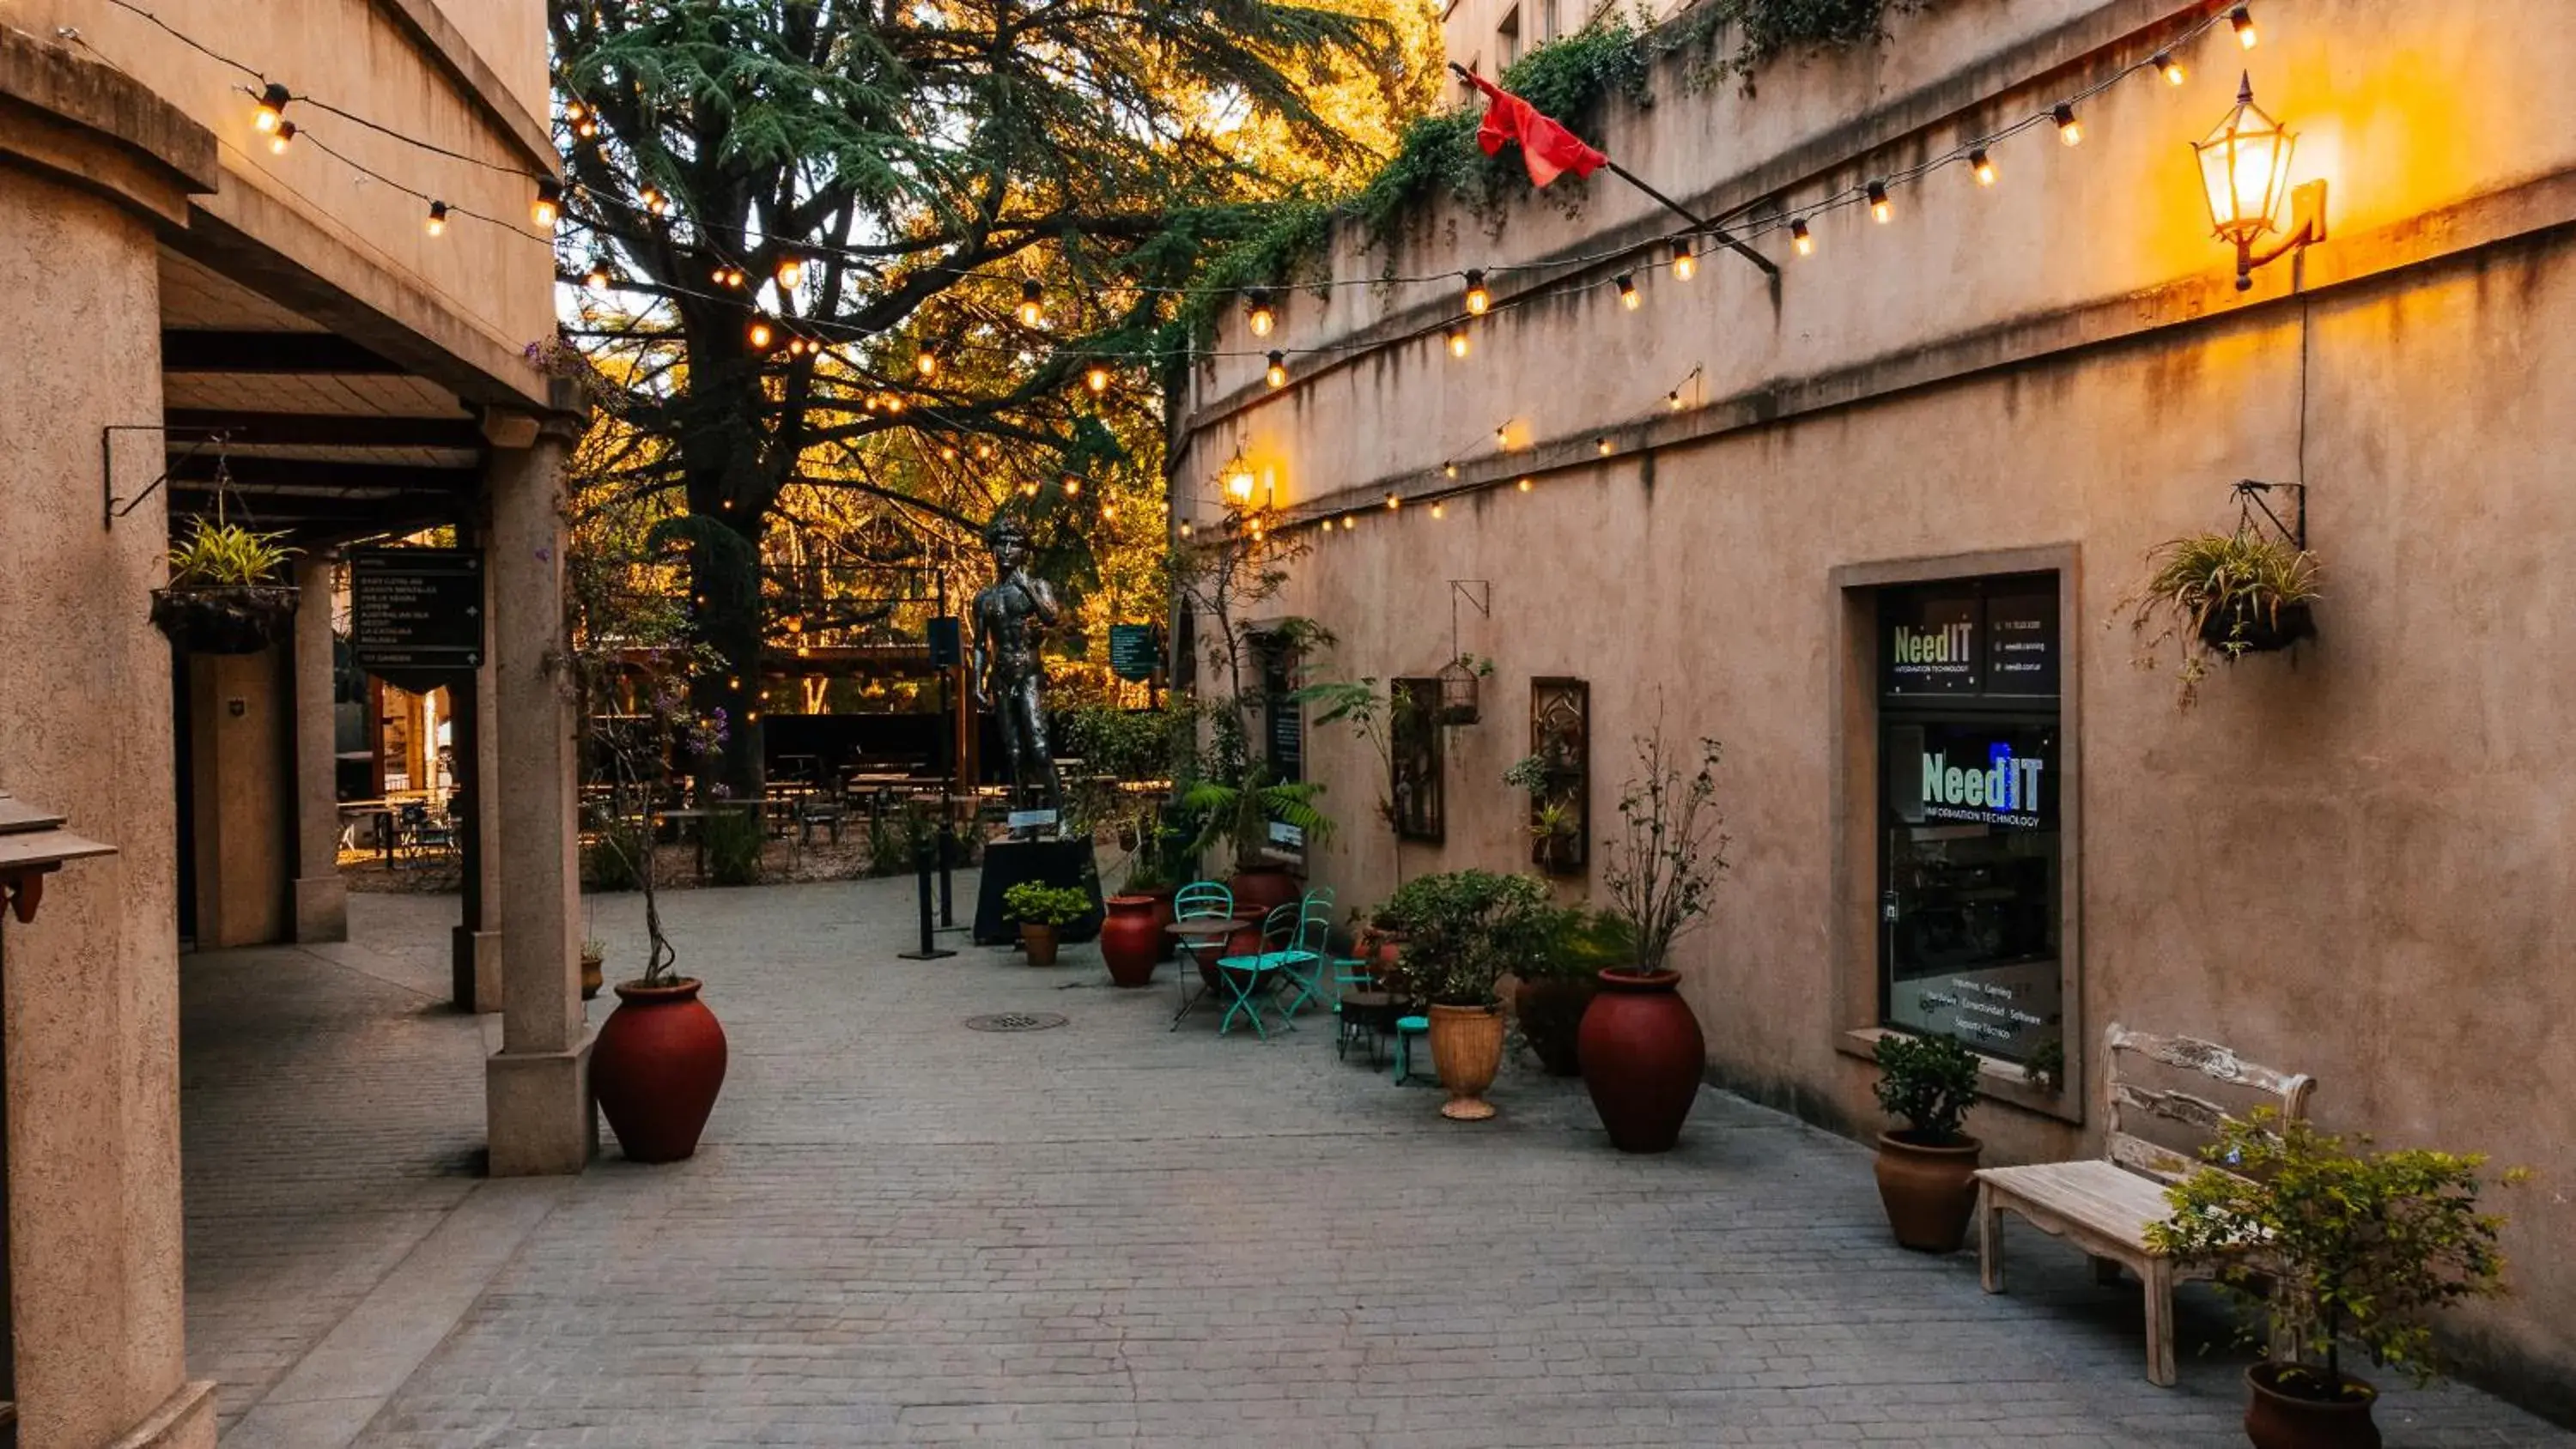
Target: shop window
(1972, 894)
(1415, 788)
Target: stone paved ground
(903, 1232)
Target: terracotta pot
(1167, 947)
(1551, 1016)
(1039, 941)
(1466, 1050)
(590, 977)
(1641, 1056)
(657, 1066)
(2275, 1420)
(1930, 1190)
(1131, 939)
(1259, 888)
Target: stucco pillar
(537, 1087)
(239, 753)
(321, 897)
(476, 974)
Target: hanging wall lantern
(2244, 167)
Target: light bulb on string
(1684, 264)
(1448, 470)
(1802, 239)
(1880, 208)
(597, 278)
(272, 108)
(1673, 400)
(1097, 379)
(927, 364)
(1186, 530)
(437, 222)
(1458, 341)
(1260, 315)
(759, 334)
(791, 271)
(2242, 17)
(2068, 130)
(655, 203)
(547, 209)
(1032, 303)
(948, 455)
(1349, 522)
(1394, 502)
(281, 138)
(1478, 299)
(1983, 165)
(1108, 511)
(1439, 509)
(1276, 374)
(2170, 68)
(1525, 485)
(1628, 295)
(1602, 446)
(586, 128)
(1503, 435)
(1072, 486)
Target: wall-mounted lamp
(1239, 482)
(2244, 164)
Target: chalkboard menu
(947, 646)
(1134, 653)
(1972, 638)
(1287, 718)
(416, 608)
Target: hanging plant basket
(2246, 628)
(225, 618)
(1459, 688)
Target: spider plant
(2221, 595)
(225, 555)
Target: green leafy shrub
(2211, 592)
(1929, 1083)
(2361, 1247)
(1465, 928)
(226, 555)
(1035, 903)
(1766, 30)
(1580, 944)
(614, 859)
(734, 841)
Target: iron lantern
(2244, 167)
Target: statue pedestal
(1065, 863)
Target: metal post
(928, 951)
(947, 855)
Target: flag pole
(1724, 237)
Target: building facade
(1868, 512)
(215, 311)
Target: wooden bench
(2104, 1206)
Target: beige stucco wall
(92, 1009)
(241, 735)
(2353, 863)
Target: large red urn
(1642, 1056)
(658, 1064)
(1131, 939)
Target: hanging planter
(2222, 596)
(223, 596)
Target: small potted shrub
(2223, 595)
(2354, 1247)
(1042, 911)
(1557, 986)
(1641, 1047)
(594, 960)
(1927, 1168)
(225, 596)
(1462, 930)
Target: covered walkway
(904, 1232)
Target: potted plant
(1555, 824)
(1237, 813)
(2222, 595)
(594, 960)
(1927, 1168)
(1463, 929)
(2344, 1247)
(1640, 1045)
(225, 596)
(1557, 985)
(1043, 910)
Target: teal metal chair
(1303, 973)
(1250, 980)
(1407, 1029)
(1197, 901)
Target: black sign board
(1973, 638)
(2021, 639)
(947, 648)
(1967, 772)
(1134, 653)
(416, 608)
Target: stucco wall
(238, 760)
(2353, 863)
(92, 1007)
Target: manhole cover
(1015, 1021)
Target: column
(321, 898)
(537, 1099)
(477, 944)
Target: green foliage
(2364, 1245)
(1238, 814)
(2046, 1068)
(226, 555)
(1136, 745)
(1465, 928)
(1579, 945)
(1036, 903)
(2235, 578)
(614, 860)
(1927, 1082)
(734, 839)
(1663, 865)
(1766, 30)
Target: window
(1560, 808)
(1507, 36)
(1283, 718)
(1547, 26)
(1971, 885)
(1415, 788)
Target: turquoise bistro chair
(1198, 901)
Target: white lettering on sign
(2007, 792)
(1949, 644)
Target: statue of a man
(1011, 615)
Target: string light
(655, 203)
(437, 222)
(281, 138)
(597, 278)
(2067, 129)
(2242, 17)
(927, 364)
(1880, 208)
(1603, 447)
(1185, 528)
(1628, 296)
(2169, 67)
(1349, 522)
(547, 209)
(1684, 264)
(1097, 378)
(1458, 341)
(1276, 374)
(1261, 316)
(1439, 509)
(1503, 435)
(1478, 299)
(1673, 399)
(272, 108)
(1801, 238)
(1108, 511)
(759, 334)
(791, 270)
(1393, 502)
(1072, 486)
(1525, 485)
(1449, 470)
(1984, 165)
(1032, 303)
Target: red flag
(1549, 149)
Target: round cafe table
(1202, 934)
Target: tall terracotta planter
(1167, 947)
(1642, 1055)
(1929, 1190)
(1262, 887)
(656, 1068)
(1131, 940)
(1551, 1016)
(1466, 1051)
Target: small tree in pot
(1463, 929)
(2344, 1247)
(1927, 1168)
(1043, 910)
(1641, 1046)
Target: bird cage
(1460, 687)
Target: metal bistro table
(1197, 932)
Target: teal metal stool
(1406, 1029)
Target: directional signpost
(414, 609)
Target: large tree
(812, 233)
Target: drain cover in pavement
(1015, 1021)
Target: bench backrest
(2132, 1101)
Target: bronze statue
(1011, 615)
